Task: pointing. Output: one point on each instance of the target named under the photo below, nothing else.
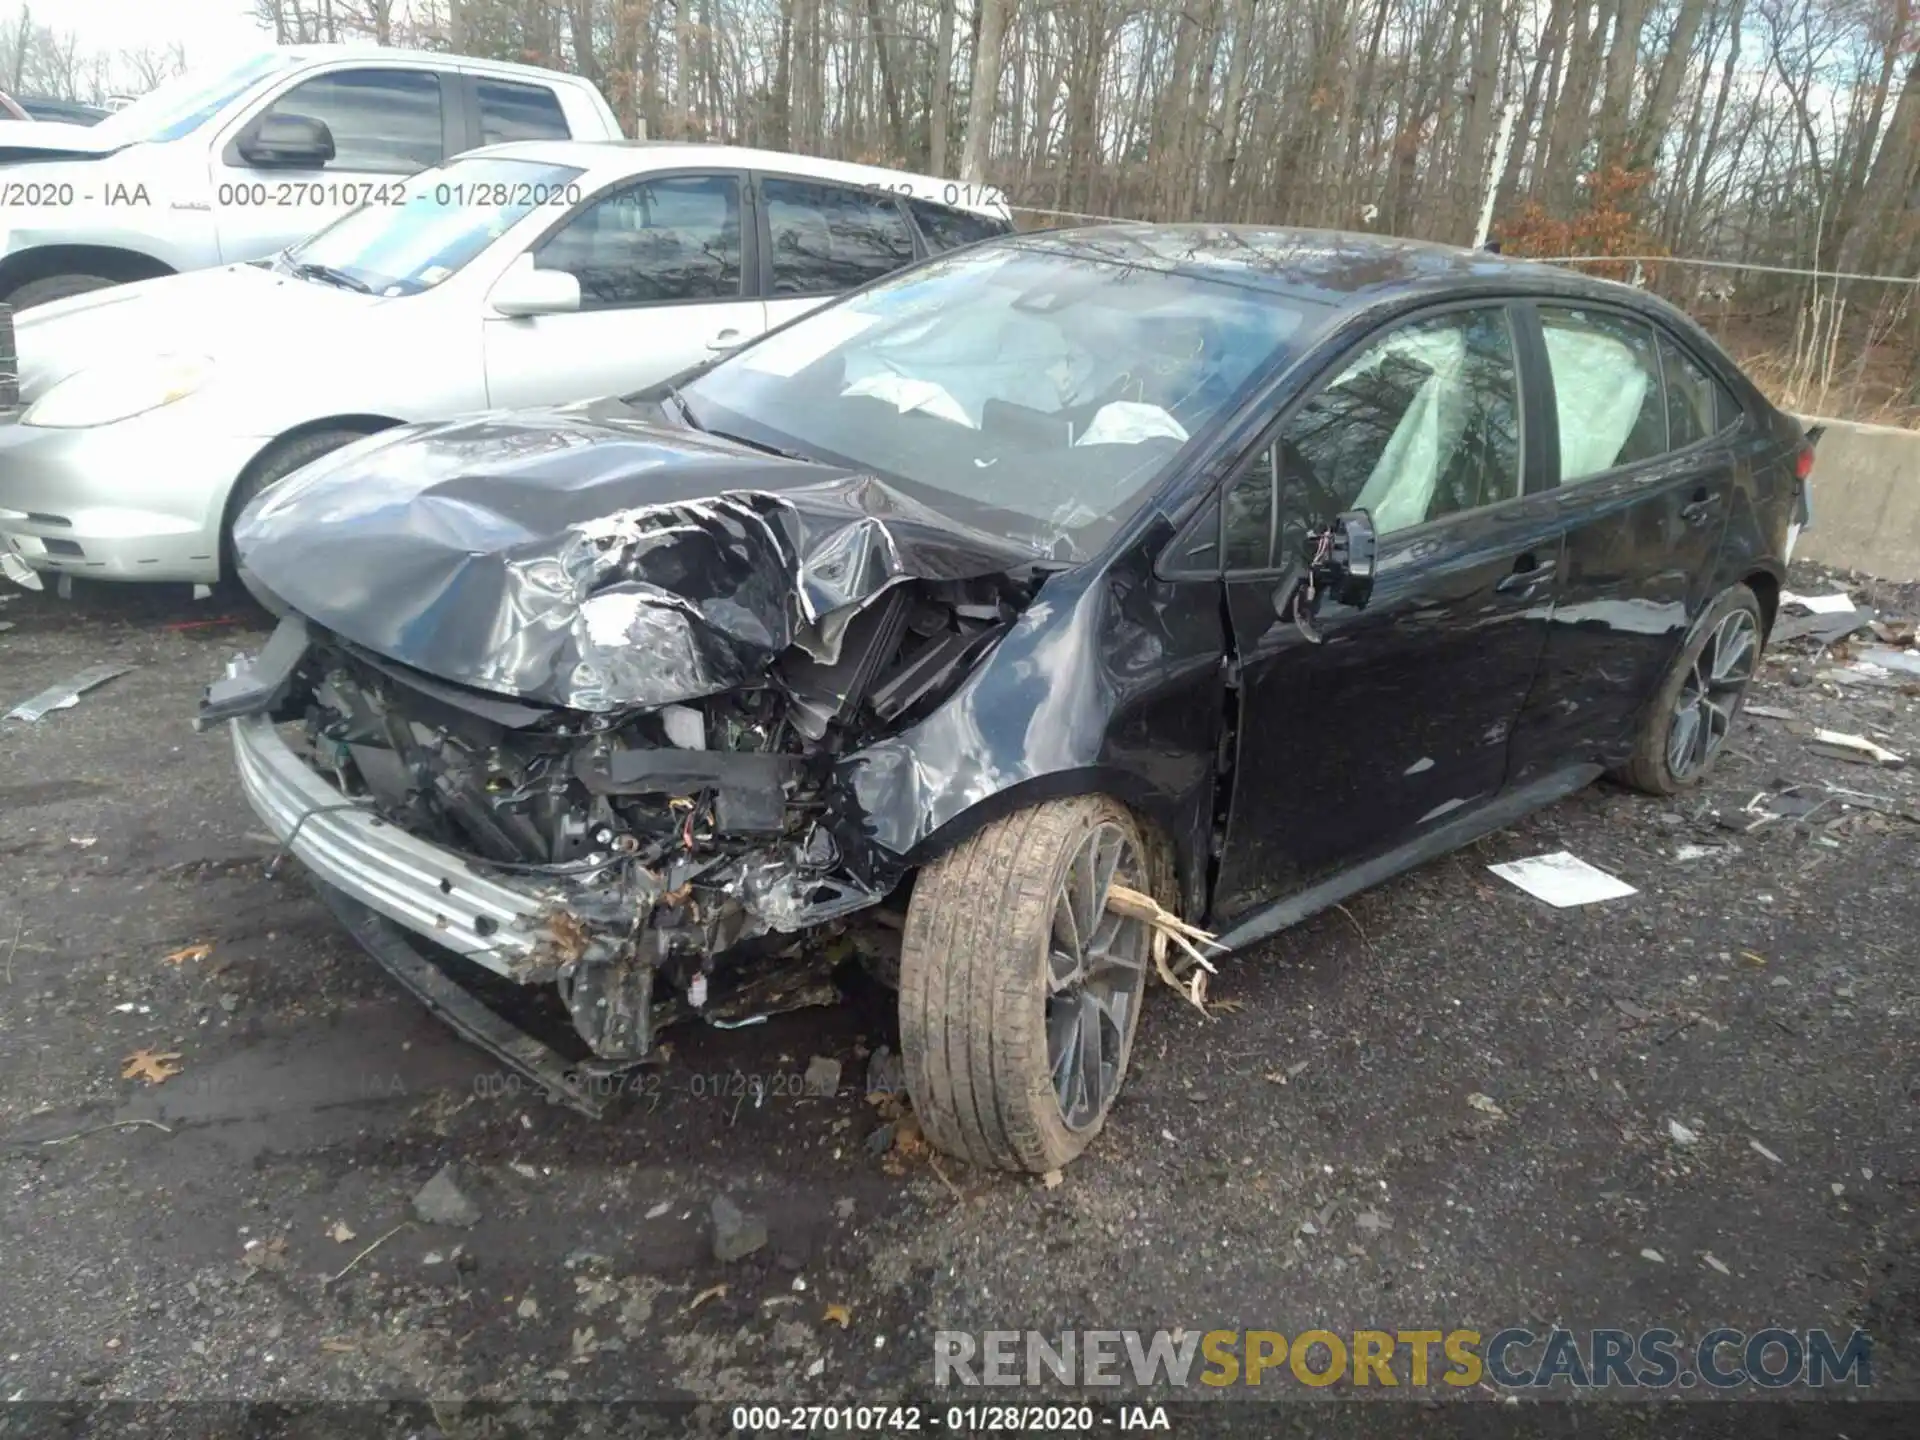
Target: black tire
(983, 1014)
(268, 470)
(55, 287)
(1710, 675)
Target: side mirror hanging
(1341, 557)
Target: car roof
(1339, 269)
(606, 160)
(439, 59)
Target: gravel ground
(1307, 1156)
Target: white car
(523, 274)
(215, 166)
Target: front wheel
(1020, 990)
(1690, 718)
(49, 288)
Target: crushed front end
(651, 861)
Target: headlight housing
(102, 394)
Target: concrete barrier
(1866, 500)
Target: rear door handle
(1703, 504)
(727, 339)
(1527, 573)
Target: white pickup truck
(233, 165)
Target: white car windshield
(448, 216)
(1036, 393)
(183, 104)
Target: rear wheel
(1020, 989)
(1688, 723)
(55, 287)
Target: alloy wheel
(1703, 713)
(1096, 971)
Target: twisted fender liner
(471, 1017)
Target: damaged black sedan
(976, 626)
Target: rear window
(828, 238)
(518, 112)
(946, 228)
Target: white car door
(662, 272)
(387, 122)
(824, 239)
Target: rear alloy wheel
(49, 288)
(1688, 724)
(1020, 989)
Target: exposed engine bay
(692, 840)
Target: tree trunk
(994, 18)
(941, 90)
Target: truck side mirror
(283, 141)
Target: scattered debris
(1486, 1105)
(658, 1210)
(1766, 712)
(1051, 1179)
(150, 1066)
(127, 1007)
(85, 842)
(1169, 932)
(268, 1255)
(341, 1233)
(528, 1308)
(1825, 628)
(822, 1076)
(1372, 1222)
(1682, 854)
(441, 1201)
(1837, 603)
(1856, 748)
(1716, 1264)
(839, 1315)
(1682, 1136)
(199, 950)
(156, 1125)
(1562, 879)
(1760, 1149)
(886, 1074)
(712, 1292)
(1654, 1255)
(736, 1234)
(67, 693)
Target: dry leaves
(199, 950)
(150, 1066)
(1051, 1179)
(1486, 1105)
(837, 1315)
(340, 1234)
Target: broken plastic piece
(67, 693)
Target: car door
(663, 286)
(1367, 724)
(1645, 478)
(387, 122)
(822, 239)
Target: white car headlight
(102, 394)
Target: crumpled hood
(587, 557)
(224, 313)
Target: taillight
(1803, 463)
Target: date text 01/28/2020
(954, 1419)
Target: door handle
(1527, 573)
(1703, 504)
(727, 339)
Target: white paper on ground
(1562, 879)
(1836, 604)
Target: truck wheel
(268, 470)
(1693, 713)
(55, 287)
(1020, 991)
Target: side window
(1697, 404)
(1424, 424)
(947, 228)
(1249, 526)
(1606, 385)
(657, 242)
(384, 121)
(828, 238)
(518, 112)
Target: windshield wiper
(313, 270)
(762, 446)
(680, 404)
